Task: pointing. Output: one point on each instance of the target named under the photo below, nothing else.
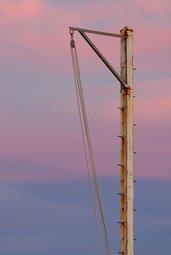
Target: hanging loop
(71, 31)
(72, 38)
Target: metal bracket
(104, 60)
(97, 51)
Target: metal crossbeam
(94, 32)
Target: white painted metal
(94, 32)
(127, 192)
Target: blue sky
(57, 218)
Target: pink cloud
(153, 40)
(158, 7)
(153, 101)
(35, 28)
(139, 8)
(41, 30)
(154, 110)
(15, 11)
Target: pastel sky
(41, 146)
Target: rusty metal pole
(127, 190)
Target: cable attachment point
(72, 43)
(72, 38)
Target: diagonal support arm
(104, 60)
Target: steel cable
(89, 156)
(85, 150)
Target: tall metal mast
(127, 191)
(125, 79)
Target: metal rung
(122, 222)
(120, 164)
(120, 194)
(121, 108)
(121, 136)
